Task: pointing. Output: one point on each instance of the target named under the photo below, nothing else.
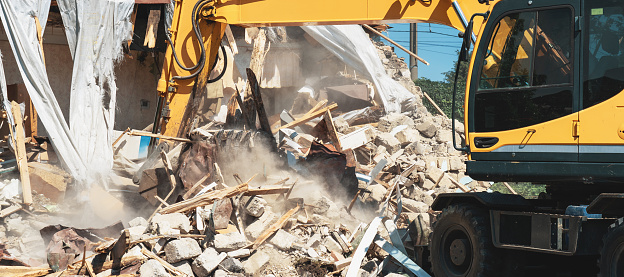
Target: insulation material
(21, 30)
(351, 44)
(102, 27)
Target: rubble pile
(309, 191)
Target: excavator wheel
(611, 262)
(461, 243)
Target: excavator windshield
(604, 51)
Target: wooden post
(395, 44)
(255, 92)
(20, 151)
(331, 130)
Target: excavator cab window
(527, 70)
(604, 51)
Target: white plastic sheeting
(21, 30)
(351, 44)
(95, 31)
(101, 28)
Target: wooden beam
(264, 191)
(509, 188)
(255, 92)
(273, 228)
(331, 130)
(20, 152)
(158, 136)
(395, 43)
(458, 184)
(307, 118)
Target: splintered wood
(307, 117)
(205, 199)
(273, 228)
(20, 151)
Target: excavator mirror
(465, 48)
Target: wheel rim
(456, 251)
(617, 265)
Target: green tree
(441, 92)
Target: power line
(429, 32)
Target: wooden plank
(395, 43)
(331, 130)
(255, 92)
(158, 136)
(195, 187)
(164, 263)
(23, 271)
(273, 228)
(264, 191)
(152, 28)
(458, 184)
(205, 199)
(9, 210)
(509, 188)
(307, 118)
(231, 40)
(120, 136)
(20, 152)
(172, 179)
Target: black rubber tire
(611, 261)
(471, 227)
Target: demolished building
(349, 146)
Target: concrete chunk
(153, 268)
(283, 240)
(182, 249)
(407, 136)
(176, 221)
(434, 174)
(229, 242)
(231, 264)
(388, 122)
(255, 229)
(207, 262)
(253, 205)
(256, 263)
(377, 192)
(387, 140)
(240, 253)
(184, 267)
(139, 221)
(427, 129)
(415, 206)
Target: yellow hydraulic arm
(198, 27)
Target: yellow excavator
(544, 103)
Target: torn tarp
(21, 30)
(351, 44)
(93, 91)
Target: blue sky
(437, 44)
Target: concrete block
(388, 122)
(283, 240)
(377, 192)
(240, 253)
(446, 183)
(387, 140)
(434, 174)
(415, 148)
(456, 164)
(182, 249)
(444, 136)
(176, 221)
(139, 221)
(153, 268)
(407, 136)
(184, 267)
(253, 205)
(255, 229)
(136, 232)
(427, 129)
(415, 206)
(256, 263)
(231, 264)
(341, 125)
(332, 245)
(207, 262)
(229, 242)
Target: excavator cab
(545, 93)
